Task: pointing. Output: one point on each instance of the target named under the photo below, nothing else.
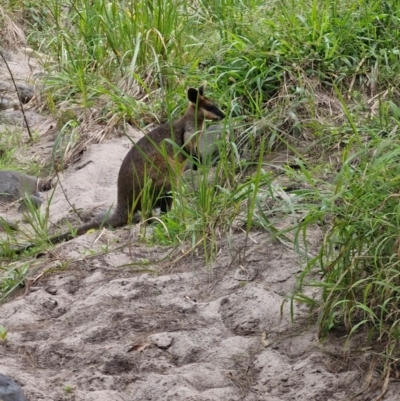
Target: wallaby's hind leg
(164, 203)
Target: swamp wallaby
(153, 160)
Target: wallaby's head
(204, 106)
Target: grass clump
(3, 334)
(356, 271)
(11, 278)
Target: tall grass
(259, 56)
(356, 271)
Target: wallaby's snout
(215, 114)
(209, 109)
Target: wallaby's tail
(54, 240)
(79, 231)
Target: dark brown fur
(146, 160)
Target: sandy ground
(115, 319)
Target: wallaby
(152, 158)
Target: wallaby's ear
(192, 95)
(201, 90)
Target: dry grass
(11, 34)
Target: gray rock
(16, 117)
(5, 104)
(14, 185)
(25, 92)
(34, 199)
(9, 390)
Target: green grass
(358, 263)
(317, 78)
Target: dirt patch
(107, 327)
(196, 334)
